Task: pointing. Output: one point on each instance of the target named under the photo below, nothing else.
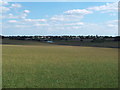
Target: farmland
(58, 66)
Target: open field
(108, 44)
(22, 42)
(31, 66)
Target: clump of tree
(64, 38)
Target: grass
(23, 42)
(30, 66)
(110, 44)
(106, 44)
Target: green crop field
(55, 66)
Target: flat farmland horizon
(65, 44)
(31, 66)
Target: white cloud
(112, 24)
(76, 27)
(35, 20)
(11, 16)
(109, 7)
(78, 12)
(20, 15)
(62, 29)
(66, 18)
(72, 24)
(26, 11)
(12, 21)
(23, 16)
(68, 22)
(38, 25)
(71, 15)
(16, 6)
(57, 18)
(22, 26)
(4, 9)
(3, 3)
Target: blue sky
(59, 18)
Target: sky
(59, 18)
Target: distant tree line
(65, 38)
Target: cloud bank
(69, 22)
